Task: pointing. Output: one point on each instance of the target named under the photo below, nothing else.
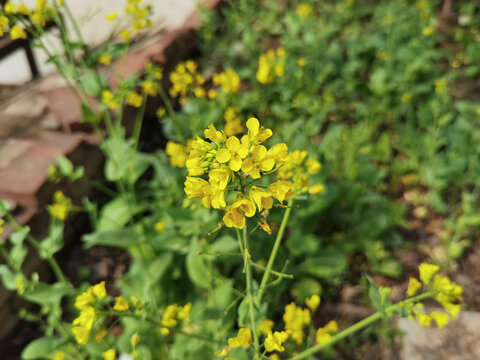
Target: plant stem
(171, 112)
(360, 325)
(250, 299)
(273, 254)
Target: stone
(459, 340)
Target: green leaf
(43, 348)
(92, 84)
(115, 214)
(331, 263)
(122, 238)
(44, 294)
(378, 296)
(8, 277)
(88, 116)
(19, 250)
(54, 241)
(196, 268)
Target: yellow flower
(424, 319)
(212, 134)
(3, 24)
(265, 326)
(265, 227)
(383, 55)
(105, 59)
(86, 318)
(440, 318)
(332, 326)
(234, 152)
(39, 18)
(195, 187)
(199, 92)
(406, 97)
(176, 154)
(160, 112)
(184, 312)
(99, 290)
(281, 190)
(440, 85)
(313, 302)
(110, 354)
(149, 88)
(427, 271)
(261, 198)
(159, 226)
(134, 340)
(125, 35)
(112, 16)
(109, 99)
(212, 94)
(84, 300)
(257, 134)
(228, 80)
(302, 62)
(82, 335)
(428, 30)
(313, 166)
(1, 223)
(20, 285)
(259, 162)
(100, 336)
(16, 32)
(322, 336)
(295, 319)
(221, 177)
(413, 286)
(224, 352)
(303, 10)
(23, 9)
(243, 339)
(9, 8)
(274, 341)
(59, 356)
(452, 309)
(169, 316)
(316, 189)
(134, 99)
(120, 304)
(234, 218)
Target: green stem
(171, 112)
(360, 325)
(273, 254)
(273, 272)
(137, 126)
(250, 299)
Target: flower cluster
(185, 79)
(297, 168)
(295, 319)
(177, 153)
(445, 292)
(173, 314)
(233, 123)
(243, 339)
(244, 161)
(61, 207)
(138, 16)
(20, 13)
(83, 324)
(228, 80)
(270, 65)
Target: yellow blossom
(120, 304)
(160, 112)
(149, 88)
(20, 285)
(428, 30)
(109, 99)
(112, 16)
(100, 336)
(322, 336)
(281, 190)
(16, 32)
(228, 80)
(427, 271)
(440, 318)
(295, 319)
(82, 335)
(263, 199)
(3, 24)
(134, 340)
(159, 226)
(303, 10)
(125, 35)
(86, 318)
(313, 302)
(1, 223)
(99, 290)
(316, 189)
(452, 309)
(301, 62)
(265, 226)
(105, 59)
(212, 94)
(424, 319)
(259, 162)
(234, 218)
(60, 355)
(243, 339)
(110, 354)
(233, 153)
(134, 99)
(9, 8)
(265, 326)
(85, 300)
(274, 341)
(23, 9)
(331, 326)
(413, 286)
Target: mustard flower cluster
(228, 80)
(226, 160)
(61, 207)
(185, 79)
(243, 339)
(13, 14)
(271, 65)
(138, 16)
(133, 97)
(233, 123)
(297, 168)
(173, 315)
(445, 291)
(83, 324)
(177, 153)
